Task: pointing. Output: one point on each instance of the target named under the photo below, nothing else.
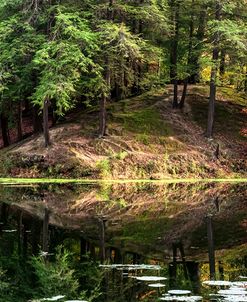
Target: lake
(106, 239)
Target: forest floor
(147, 139)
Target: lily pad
(235, 298)
(157, 285)
(9, 231)
(233, 291)
(131, 266)
(179, 292)
(182, 298)
(150, 278)
(55, 298)
(240, 284)
(76, 301)
(217, 283)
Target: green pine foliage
(73, 52)
(55, 278)
(65, 60)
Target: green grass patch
(231, 95)
(228, 119)
(146, 121)
(16, 181)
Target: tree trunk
(5, 130)
(174, 50)
(110, 10)
(103, 100)
(37, 120)
(211, 250)
(186, 81)
(45, 239)
(222, 62)
(54, 115)
(35, 239)
(245, 81)
(19, 121)
(46, 122)
(213, 78)
(102, 117)
(195, 76)
(182, 101)
(26, 105)
(19, 232)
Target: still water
(101, 242)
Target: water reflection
(194, 232)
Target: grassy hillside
(146, 139)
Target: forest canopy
(57, 55)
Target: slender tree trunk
(213, 78)
(245, 80)
(102, 117)
(195, 76)
(19, 121)
(102, 247)
(222, 62)
(174, 50)
(37, 120)
(54, 115)
(140, 20)
(46, 123)
(103, 100)
(26, 105)
(181, 104)
(35, 239)
(45, 239)
(20, 232)
(211, 250)
(110, 12)
(5, 130)
(186, 81)
(25, 242)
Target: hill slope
(147, 139)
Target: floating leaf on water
(131, 266)
(76, 301)
(150, 278)
(240, 283)
(45, 254)
(55, 298)
(9, 231)
(179, 292)
(217, 283)
(233, 291)
(214, 295)
(235, 298)
(243, 277)
(156, 285)
(181, 298)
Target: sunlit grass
(10, 181)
